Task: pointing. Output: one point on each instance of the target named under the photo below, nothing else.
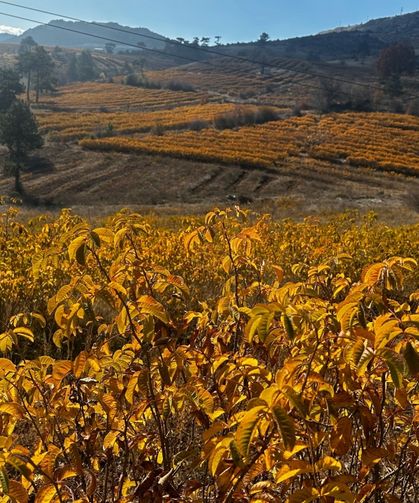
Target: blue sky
(232, 19)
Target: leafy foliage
(230, 358)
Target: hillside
(159, 150)
(347, 42)
(218, 130)
(393, 29)
(50, 36)
(7, 37)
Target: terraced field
(158, 148)
(97, 182)
(71, 125)
(381, 141)
(246, 81)
(97, 97)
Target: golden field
(96, 96)
(68, 126)
(377, 140)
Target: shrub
(175, 85)
(245, 116)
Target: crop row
(94, 96)
(381, 141)
(68, 126)
(245, 80)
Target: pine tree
(10, 86)
(86, 68)
(27, 61)
(19, 133)
(44, 68)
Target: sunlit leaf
(246, 428)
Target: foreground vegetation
(231, 358)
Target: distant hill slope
(392, 29)
(48, 35)
(345, 42)
(6, 37)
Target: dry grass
(100, 183)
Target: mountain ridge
(64, 37)
(339, 43)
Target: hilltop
(392, 29)
(50, 36)
(338, 43)
(346, 42)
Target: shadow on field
(37, 164)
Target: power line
(177, 43)
(166, 54)
(107, 39)
(130, 32)
(120, 42)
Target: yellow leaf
(297, 448)
(117, 287)
(60, 369)
(306, 495)
(17, 492)
(75, 245)
(110, 439)
(328, 463)
(372, 274)
(386, 329)
(279, 273)
(13, 409)
(7, 340)
(64, 473)
(285, 425)
(218, 454)
(150, 305)
(286, 473)
(132, 383)
(246, 428)
(338, 491)
(373, 455)
(106, 235)
(80, 364)
(46, 494)
(6, 366)
(4, 481)
(24, 332)
(48, 462)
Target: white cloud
(11, 30)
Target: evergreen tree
(27, 62)
(86, 68)
(19, 133)
(72, 74)
(263, 39)
(10, 87)
(35, 63)
(44, 67)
